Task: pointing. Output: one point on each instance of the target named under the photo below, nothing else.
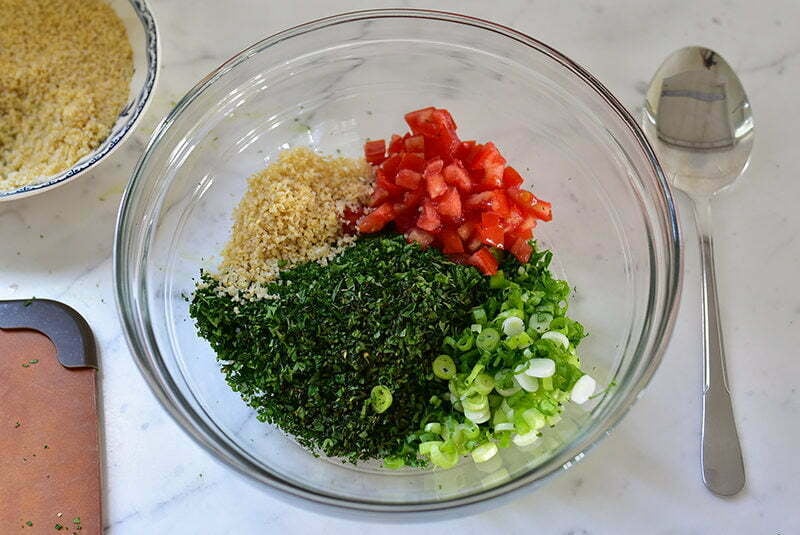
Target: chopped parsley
(340, 358)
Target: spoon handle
(721, 457)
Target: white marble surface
(645, 477)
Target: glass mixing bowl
(330, 84)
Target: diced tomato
(396, 144)
(487, 156)
(419, 120)
(443, 144)
(382, 181)
(451, 242)
(465, 230)
(443, 117)
(423, 238)
(379, 195)
(391, 165)
(474, 244)
(470, 156)
(484, 261)
(414, 161)
(464, 149)
(377, 219)
(375, 151)
(478, 200)
(350, 217)
(457, 196)
(522, 250)
(449, 204)
(512, 220)
(415, 144)
(500, 204)
(456, 175)
(521, 197)
(405, 221)
(408, 179)
(429, 219)
(434, 167)
(528, 223)
(412, 199)
(542, 210)
(517, 234)
(512, 179)
(435, 184)
(490, 232)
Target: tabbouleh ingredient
(65, 70)
(309, 358)
(290, 214)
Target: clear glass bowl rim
(140, 336)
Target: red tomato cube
(429, 219)
(415, 144)
(375, 151)
(408, 179)
(484, 260)
(377, 219)
(449, 204)
(435, 184)
(522, 250)
(512, 179)
(451, 242)
(419, 236)
(457, 176)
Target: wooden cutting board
(50, 475)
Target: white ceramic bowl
(143, 35)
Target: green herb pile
(341, 356)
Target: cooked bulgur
(290, 214)
(65, 71)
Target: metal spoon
(699, 120)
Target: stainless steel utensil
(699, 121)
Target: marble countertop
(645, 478)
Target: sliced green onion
(426, 447)
(503, 426)
(478, 417)
(444, 367)
(484, 452)
(381, 398)
(488, 339)
(540, 321)
(393, 463)
(519, 341)
(526, 439)
(470, 430)
(547, 383)
(476, 328)
(498, 280)
(465, 342)
(479, 315)
(443, 459)
(433, 427)
(477, 369)
(483, 383)
(475, 402)
(504, 384)
(513, 326)
(541, 368)
(557, 337)
(534, 418)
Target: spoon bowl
(699, 120)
